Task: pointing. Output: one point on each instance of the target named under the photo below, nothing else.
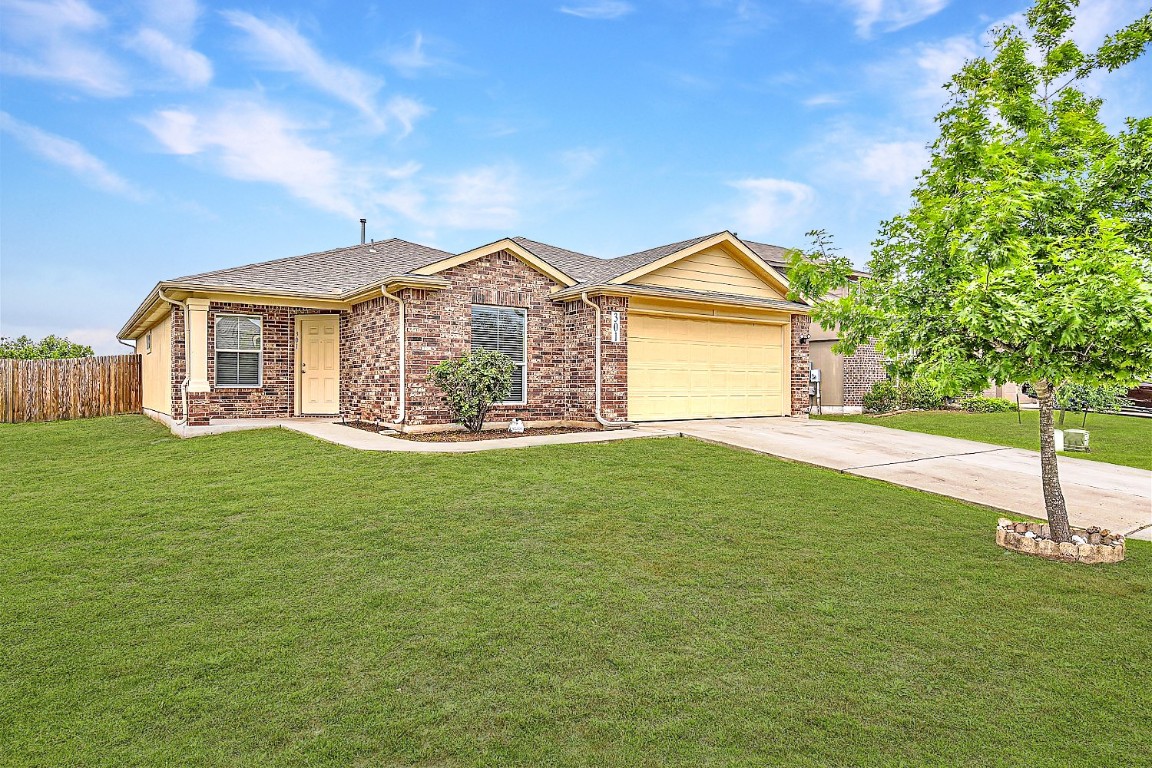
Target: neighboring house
(843, 380)
(697, 329)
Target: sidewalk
(334, 432)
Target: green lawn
(1115, 439)
(261, 598)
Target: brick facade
(560, 354)
(439, 326)
(861, 371)
(370, 361)
(801, 365)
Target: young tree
(472, 383)
(49, 347)
(1026, 254)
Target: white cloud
(175, 17)
(581, 161)
(481, 198)
(889, 166)
(279, 46)
(68, 154)
(245, 139)
(891, 15)
(770, 206)
(48, 41)
(822, 100)
(936, 63)
(165, 40)
(191, 69)
(249, 141)
(599, 9)
(406, 112)
(409, 61)
(416, 58)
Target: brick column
(801, 365)
(199, 409)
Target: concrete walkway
(334, 432)
(1111, 496)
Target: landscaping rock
(1090, 546)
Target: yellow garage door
(681, 368)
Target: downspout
(400, 411)
(183, 384)
(130, 346)
(603, 422)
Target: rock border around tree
(1090, 546)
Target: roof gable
(715, 259)
(711, 270)
(506, 244)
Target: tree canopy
(1026, 253)
(49, 347)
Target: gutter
(187, 373)
(401, 410)
(603, 422)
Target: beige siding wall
(712, 269)
(156, 366)
(831, 373)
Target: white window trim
(215, 350)
(148, 343)
(523, 362)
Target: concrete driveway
(1111, 496)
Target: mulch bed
(368, 426)
(492, 434)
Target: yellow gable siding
(156, 366)
(713, 270)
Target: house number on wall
(615, 326)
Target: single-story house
(697, 329)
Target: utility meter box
(1076, 440)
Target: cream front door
(320, 365)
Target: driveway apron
(1108, 495)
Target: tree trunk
(1054, 505)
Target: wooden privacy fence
(46, 390)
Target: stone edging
(1089, 545)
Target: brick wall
(274, 398)
(580, 351)
(439, 326)
(861, 371)
(179, 370)
(370, 361)
(801, 365)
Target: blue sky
(152, 139)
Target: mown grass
(1123, 440)
(261, 598)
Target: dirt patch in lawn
(492, 434)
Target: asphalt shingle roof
(343, 270)
(576, 265)
(333, 272)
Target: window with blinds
(504, 329)
(239, 341)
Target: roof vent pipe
(363, 230)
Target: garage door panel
(686, 368)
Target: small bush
(472, 384)
(919, 394)
(886, 396)
(882, 397)
(981, 404)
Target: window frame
(523, 362)
(216, 350)
(148, 343)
